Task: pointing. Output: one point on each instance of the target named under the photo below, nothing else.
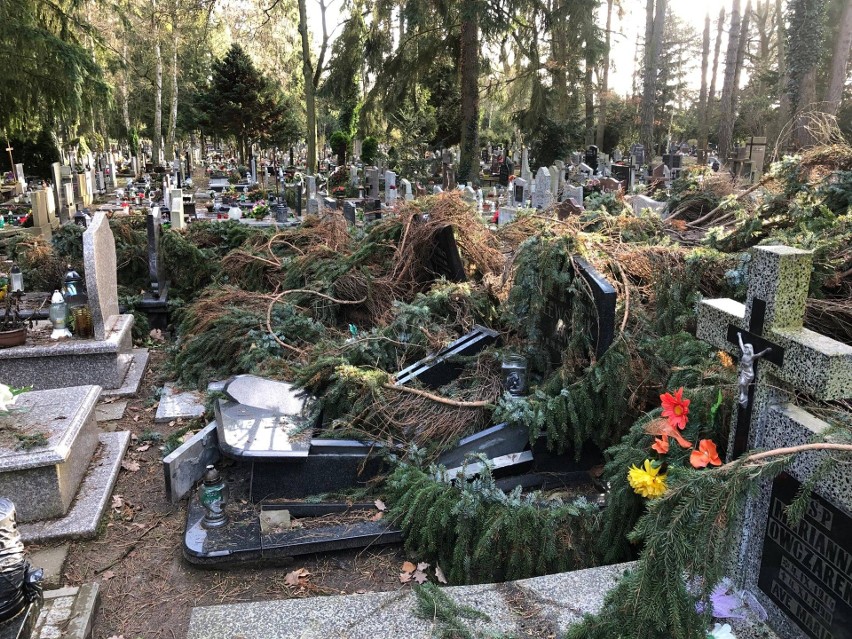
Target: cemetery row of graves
(544, 377)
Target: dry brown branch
(438, 398)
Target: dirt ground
(147, 589)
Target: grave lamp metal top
(74, 289)
(20, 584)
(17, 279)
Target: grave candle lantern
(74, 289)
(514, 369)
(17, 279)
(58, 315)
(213, 495)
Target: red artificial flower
(676, 408)
(661, 444)
(706, 454)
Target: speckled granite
(563, 598)
(138, 359)
(101, 274)
(73, 362)
(812, 363)
(82, 519)
(43, 481)
(68, 613)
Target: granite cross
(771, 321)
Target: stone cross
(792, 568)
(772, 319)
(101, 274)
(541, 195)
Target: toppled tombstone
(439, 369)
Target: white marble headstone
(390, 188)
(541, 194)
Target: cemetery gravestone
(349, 211)
(554, 183)
(41, 213)
(800, 573)
(573, 192)
(177, 219)
(101, 274)
(390, 188)
(156, 268)
(373, 181)
(541, 195)
(757, 153)
(407, 191)
(525, 165)
(520, 192)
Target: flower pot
(15, 337)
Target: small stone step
(68, 613)
(51, 560)
(133, 378)
(175, 404)
(110, 411)
(81, 521)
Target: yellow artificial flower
(648, 481)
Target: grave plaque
(806, 568)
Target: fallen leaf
(422, 566)
(377, 516)
(143, 448)
(106, 575)
(171, 423)
(420, 577)
(117, 502)
(134, 437)
(135, 419)
(293, 578)
(408, 567)
(380, 505)
(439, 575)
(130, 466)
(404, 577)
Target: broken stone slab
(51, 560)
(68, 613)
(176, 404)
(492, 442)
(439, 369)
(247, 432)
(264, 419)
(279, 397)
(110, 411)
(184, 467)
(642, 202)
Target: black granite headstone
(155, 261)
(445, 259)
(806, 568)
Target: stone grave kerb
(786, 357)
(101, 274)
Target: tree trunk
(807, 96)
(469, 64)
(604, 87)
(157, 133)
(783, 79)
(726, 120)
(170, 137)
(558, 58)
(711, 93)
(589, 89)
(840, 61)
(703, 102)
(310, 97)
(741, 47)
(653, 41)
(125, 101)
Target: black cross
(753, 336)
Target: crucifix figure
(747, 363)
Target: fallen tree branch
(790, 450)
(711, 214)
(438, 398)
